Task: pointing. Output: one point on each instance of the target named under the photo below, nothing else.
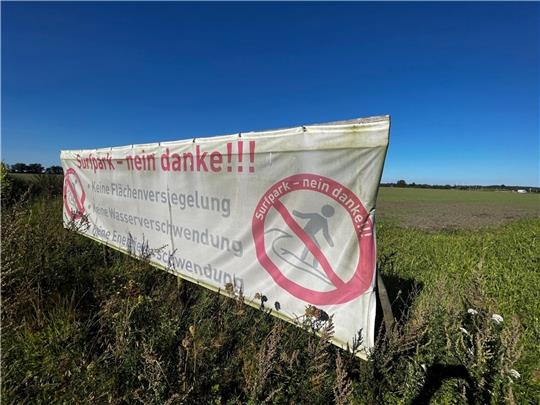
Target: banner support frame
(384, 299)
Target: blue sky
(461, 81)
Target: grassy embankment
(83, 323)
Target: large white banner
(286, 216)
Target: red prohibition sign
(344, 291)
(78, 212)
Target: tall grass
(83, 323)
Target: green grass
(83, 323)
(501, 264)
(25, 176)
(418, 195)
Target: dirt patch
(443, 215)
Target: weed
(84, 323)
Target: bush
(17, 187)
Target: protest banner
(283, 217)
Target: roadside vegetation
(83, 323)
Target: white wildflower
(464, 331)
(497, 318)
(472, 311)
(514, 374)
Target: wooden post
(388, 315)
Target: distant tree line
(34, 168)
(502, 187)
(37, 168)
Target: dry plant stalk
(343, 385)
(266, 362)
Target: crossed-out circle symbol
(70, 178)
(344, 291)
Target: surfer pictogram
(316, 223)
(302, 256)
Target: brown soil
(442, 215)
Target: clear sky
(460, 80)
